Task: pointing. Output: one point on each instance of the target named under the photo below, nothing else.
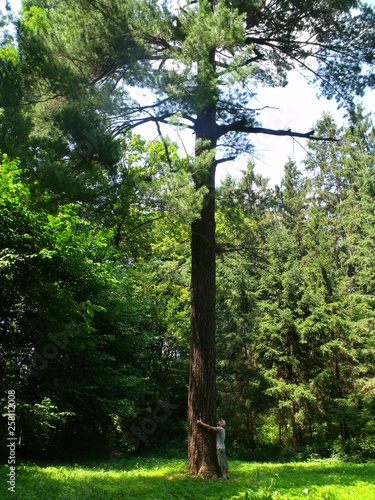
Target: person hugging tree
(220, 444)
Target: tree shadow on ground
(158, 481)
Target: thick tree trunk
(202, 383)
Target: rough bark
(202, 377)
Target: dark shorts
(222, 458)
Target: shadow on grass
(157, 479)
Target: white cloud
(294, 107)
(15, 4)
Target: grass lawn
(164, 479)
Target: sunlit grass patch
(159, 479)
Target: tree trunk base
(207, 472)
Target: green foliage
(159, 479)
(81, 332)
(294, 321)
(40, 423)
(94, 254)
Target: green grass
(164, 479)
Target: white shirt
(220, 438)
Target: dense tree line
(89, 332)
(296, 318)
(109, 249)
(95, 335)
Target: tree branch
(131, 124)
(240, 127)
(278, 47)
(224, 160)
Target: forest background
(95, 280)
